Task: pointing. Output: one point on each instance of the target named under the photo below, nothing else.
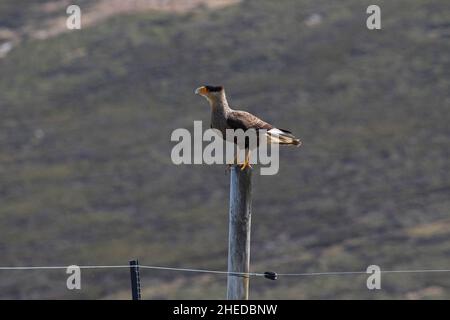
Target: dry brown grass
(105, 9)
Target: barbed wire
(140, 266)
(268, 274)
(361, 272)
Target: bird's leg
(246, 163)
(229, 165)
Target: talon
(246, 164)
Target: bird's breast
(219, 122)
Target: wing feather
(245, 120)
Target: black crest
(214, 88)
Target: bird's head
(211, 93)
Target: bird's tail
(281, 136)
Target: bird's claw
(245, 165)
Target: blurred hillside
(85, 170)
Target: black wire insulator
(271, 275)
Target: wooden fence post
(239, 233)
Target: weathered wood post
(239, 232)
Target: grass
(86, 178)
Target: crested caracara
(223, 117)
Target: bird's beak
(201, 91)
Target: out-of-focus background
(86, 116)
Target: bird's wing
(244, 120)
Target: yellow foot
(246, 164)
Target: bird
(224, 117)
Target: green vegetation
(86, 175)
